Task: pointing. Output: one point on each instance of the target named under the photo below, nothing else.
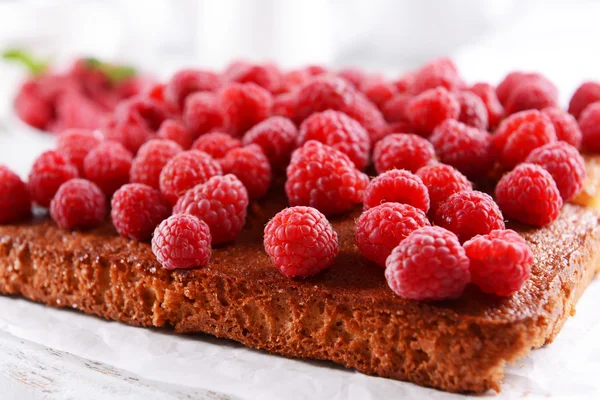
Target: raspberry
(439, 72)
(487, 94)
(300, 241)
(49, 171)
(380, 229)
(220, 202)
(397, 127)
(378, 90)
(430, 264)
(528, 96)
(75, 144)
(565, 125)
(339, 131)
(521, 133)
(252, 167)
(276, 136)
(402, 151)
(472, 110)
(15, 203)
(324, 178)
(399, 186)
(589, 123)
(266, 75)
(466, 148)
(188, 81)
(174, 130)
(528, 194)
(394, 110)
(150, 160)
(564, 163)
(327, 92)
(217, 144)
(186, 170)
(33, 108)
(508, 85)
(442, 181)
(73, 110)
(469, 213)
(244, 105)
(586, 94)
(430, 108)
(182, 241)
(500, 261)
(353, 76)
(107, 165)
(283, 105)
(514, 80)
(405, 83)
(202, 113)
(137, 209)
(78, 204)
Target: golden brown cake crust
(346, 314)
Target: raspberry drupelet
(380, 229)
(322, 177)
(300, 241)
(252, 167)
(221, 202)
(182, 241)
(430, 264)
(397, 185)
(15, 202)
(78, 204)
(49, 171)
(402, 151)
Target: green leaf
(34, 66)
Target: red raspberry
(323, 177)
(137, 209)
(472, 110)
(266, 75)
(500, 261)
(353, 76)
(487, 94)
(442, 181)
(75, 144)
(399, 186)
(521, 133)
(78, 204)
(565, 125)
(252, 167)
(439, 72)
(379, 91)
(530, 95)
(380, 229)
(469, 213)
(284, 104)
(107, 165)
(49, 171)
(528, 194)
(202, 113)
(586, 94)
(327, 92)
(589, 123)
(300, 241)
(220, 202)
(32, 107)
(431, 108)
(150, 160)
(397, 127)
(15, 203)
(508, 85)
(217, 144)
(244, 105)
(430, 264)
(394, 110)
(276, 136)
(186, 170)
(182, 241)
(405, 83)
(73, 110)
(565, 164)
(466, 148)
(514, 80)
(188, 81)
(174, 130)
(339, 131)
(402, 151)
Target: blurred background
(486, 38)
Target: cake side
(458, 346)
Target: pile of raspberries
(180, 163)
